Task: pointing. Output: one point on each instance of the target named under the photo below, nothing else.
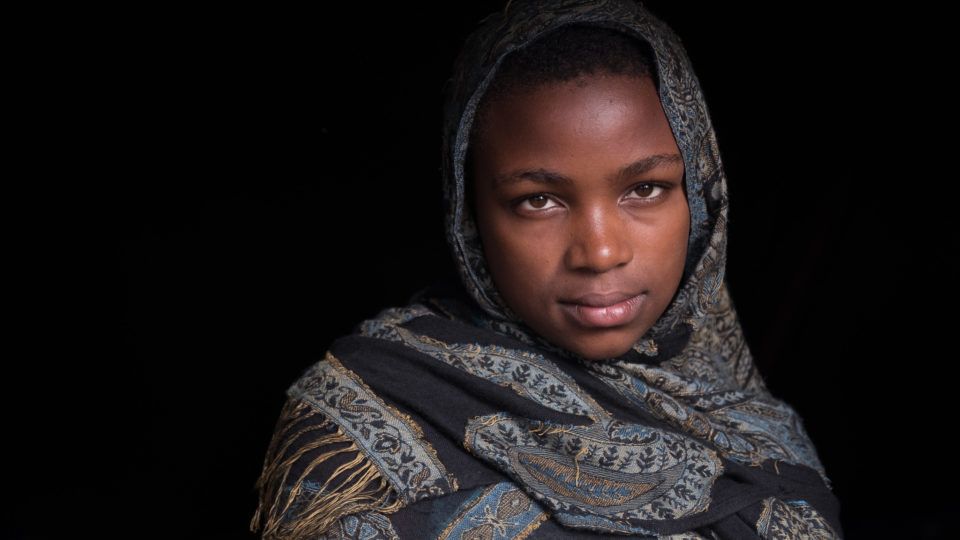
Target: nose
(599, 242)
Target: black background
(254, 182)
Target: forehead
(592, 117)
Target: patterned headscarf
(518, 25)
(450, 418)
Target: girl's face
(577, 192)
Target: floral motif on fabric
(607, 476)
(499, 512)
(527, 373)
(707, 392)
(788, 519)
(362, 526)
(393, 441)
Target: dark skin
(551, 240)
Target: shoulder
(340, 450)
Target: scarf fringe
(355, 486)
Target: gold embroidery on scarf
(363, 488)
(455, 522)
(410, 423)
(532, 526)
(540, 463)
(513, 503)
(792, 518)
(551, 430)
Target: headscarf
(450, 418)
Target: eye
(645, 189)
(649, 193)
(538, 201)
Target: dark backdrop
(273, 177)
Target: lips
(601, 299)
(601, 310)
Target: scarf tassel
(355, 486)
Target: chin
(604, 353)
(607, 343)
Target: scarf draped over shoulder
(448, 417)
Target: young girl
(585, 372)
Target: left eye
(644, 189)
(538, 201)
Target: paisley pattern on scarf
(783, 520)
(527, 373)
(362, 526)
(499, 512)
(679, 438)
(602, 477)
(688, 536)
(394, 442)
(713, 391)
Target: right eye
(536, 202)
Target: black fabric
(444, 398)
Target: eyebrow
(545, 176)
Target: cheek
(520, 259)
(660, 245)
(525, 254)
(673, 240)
(504, 238)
